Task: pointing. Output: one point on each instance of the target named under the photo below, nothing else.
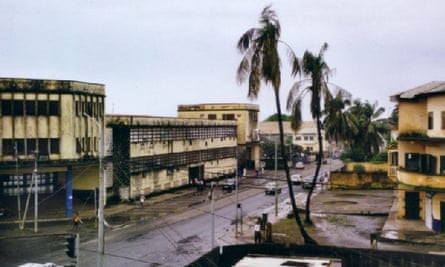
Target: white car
(299, 165)
(269, 189)
(296, 178)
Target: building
(49, 134)
(246, 117)
(420, 154)
(306, 137)
(154, 154)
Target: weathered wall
(352, 180)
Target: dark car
(229, 184)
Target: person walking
(142, 200)
(76, 221)
(257, 231)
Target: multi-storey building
(49, 136)
(153, 154)
(305, 137)
(246, 117)
(420, 154)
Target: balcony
(420, 180)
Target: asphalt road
(171, 233)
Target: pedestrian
(142, 200)
(76, 221)
(257, 231)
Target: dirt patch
(339, 202)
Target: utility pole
(276, 180)
(100, 211)
(16, 155)
(36, 193)
(212, 207)
(101, 204)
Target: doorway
(412, 205)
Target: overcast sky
(154, 55)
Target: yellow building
(153, 154)
(421, 154)
(246, 117)
(49, 130)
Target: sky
(153, 55)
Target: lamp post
(100, 210)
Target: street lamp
(100, 210)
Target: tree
(337, 122)
(370, 129)
(274, 117)
(316, 72)
(261, 63)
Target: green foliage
(359, 168)
(355, 154)
(413, 135)
(274, 117)
(380, 157)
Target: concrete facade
(246, 117)
(153, 154)
(420, 154)
(49, 129)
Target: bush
(380, 157)
(358, 168)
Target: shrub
(359, 168)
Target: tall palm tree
(336, 121)
(261, 63)
(316, 72)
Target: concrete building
(246, 117)
(305, 137)
(153, 154)
(420, 154)
(49, 133)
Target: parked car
(269, 189)
(296, 178)
(229, 184)
(299, 165)
(307, 182)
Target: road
(174, 239)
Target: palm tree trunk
(307, 239)
(317, 170)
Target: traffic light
(71, 245)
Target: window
(443, 119)
(211, 116)
(412, 161)
(394, 158)
(6, 107)
(30, 106)
(228, 117)
(297, 138)
(427, 164)
(42, 108)
(442, 165)
(54, 108)
(54, 146)
(18, 108)
(430, 121)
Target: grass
(286, 231)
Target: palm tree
(370, 134)
(337, 122)
(317, 73)
(261, 63)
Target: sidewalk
(410, 231)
